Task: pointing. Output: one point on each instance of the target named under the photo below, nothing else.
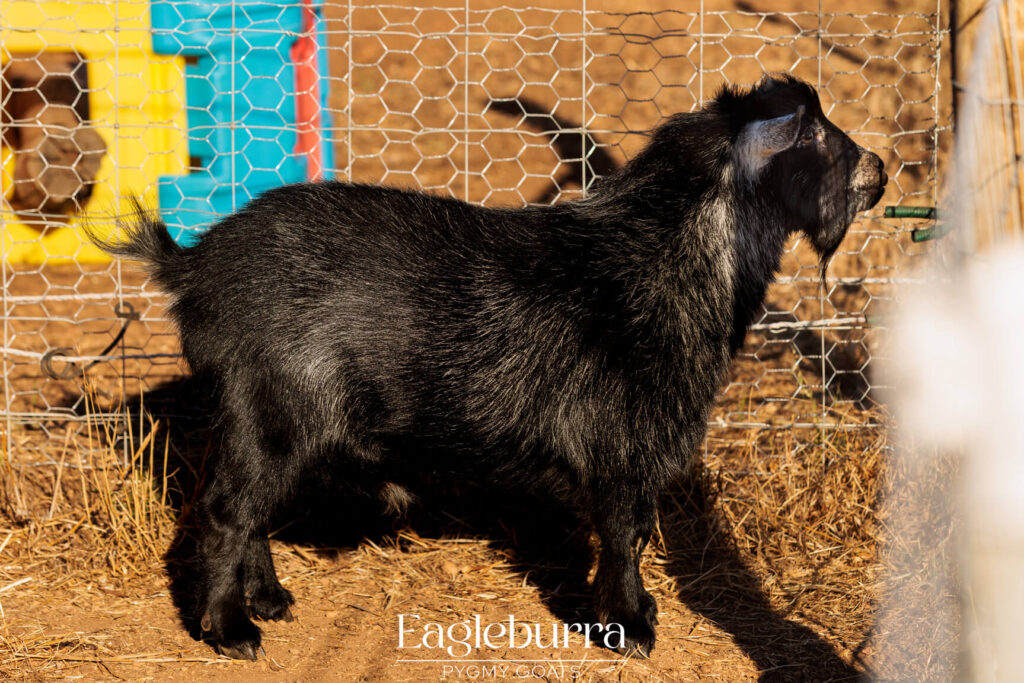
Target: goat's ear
(759, 141)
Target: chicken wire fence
(196, 107)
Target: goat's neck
(697, 240)
(759, 238)
(724, 252)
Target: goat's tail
(144, 238)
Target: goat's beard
(826, 242)
(824, 259)
(832, 232)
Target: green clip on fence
(911, 212)
(927, 212)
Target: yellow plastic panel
(137, 105)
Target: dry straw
(778, 535)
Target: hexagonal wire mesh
(192, 106)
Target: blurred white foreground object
(958, 370)
(957, 374)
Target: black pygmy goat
(576, 348)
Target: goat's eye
(807, 137)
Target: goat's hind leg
(225, 533)
(265, 597)
(624, 515)
(235, 511)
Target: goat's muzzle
(869, 180)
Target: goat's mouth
(868, 196)
(870, 193)
(874, 194)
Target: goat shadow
(581, 157)
(549, 546)
(715, 582)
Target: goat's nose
(883, 177)
(870, 163)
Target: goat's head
(786, 151)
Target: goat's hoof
(245, 650)
(639, 640)
(271, 605)
(244, 647)
(237, 637)
(638, 626)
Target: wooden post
(1011, 20)
(998, 135)
(967, 18)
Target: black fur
(574, 349)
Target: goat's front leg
(624, 514)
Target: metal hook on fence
(125, 311)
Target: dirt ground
(771, 575)
(769, 563)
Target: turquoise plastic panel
(241, 104)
